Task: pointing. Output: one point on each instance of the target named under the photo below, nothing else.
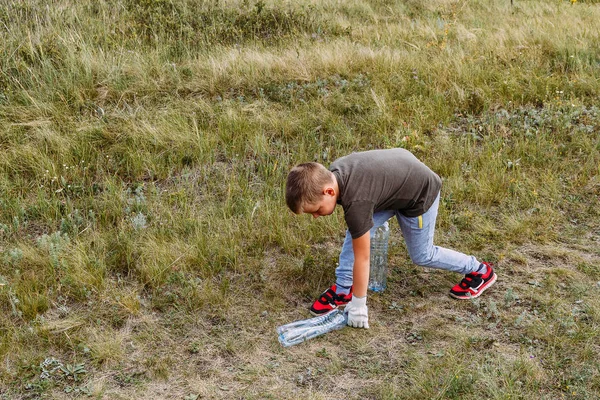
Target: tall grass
(143, 151)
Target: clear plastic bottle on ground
(379, 258)
(300, 331)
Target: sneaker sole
(325, 312)
(481, 290)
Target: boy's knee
(423, 259)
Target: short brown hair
(305, 184)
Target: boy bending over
(372, 187)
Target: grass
(145, 247)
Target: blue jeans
(418, 236)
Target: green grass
(144, 147)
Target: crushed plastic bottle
(379, 258)
(303, 330)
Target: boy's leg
(418, 234)
(343, 271)
(341, 292)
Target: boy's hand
(358, 314)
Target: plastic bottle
(300, 331)
(379, 258)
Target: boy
(372, 187)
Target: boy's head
(311, 189)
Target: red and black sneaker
(330, 300)
(474, 284)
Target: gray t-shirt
(380, 180)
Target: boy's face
(323, 207)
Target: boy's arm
(358, 313)
(362, 253)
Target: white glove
(358, 314)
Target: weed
(54, 244)
(56, 373)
